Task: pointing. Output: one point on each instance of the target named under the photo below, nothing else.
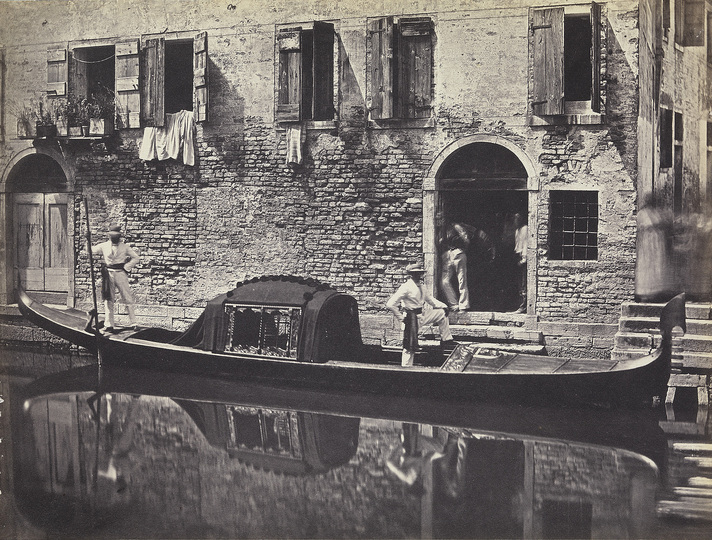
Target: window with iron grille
(573, 233)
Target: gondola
(305, 334)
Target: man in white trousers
(407, 305)
(118, 259)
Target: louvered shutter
(128, 92)
(323, 98)
(289, 90)
(415, 61)
(200, 77)
(548, 58)
(596, 57)
(153, 81)
(57, 71)
(381, 68)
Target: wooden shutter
(289, 89)
(596, 57)
(2, 94)
(414, 82)
(57, 71)
(153, 81)
(200, 77)
(323, 98)
(548, 58)
(381, 68)
(128, 92)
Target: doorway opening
(41, 238)
(482, 187)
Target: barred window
(573, 233)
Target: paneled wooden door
(41, 241)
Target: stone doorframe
(7, 286)
(431, 194)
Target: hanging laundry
(294, 144)
(175, 138)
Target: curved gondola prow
(672, 316)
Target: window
(566, 59)
(690, 23)
(666, 16)
(573, 233)
(566, 519)
(93, 71)
(271, 331)
(401, 67)
(174, 77)
(666, 117)
(305, 84)
(677, 165)
(709, 37)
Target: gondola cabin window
(263, 431)
(573, 233)
(263, 330)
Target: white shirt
(116, 254)
(412, 295)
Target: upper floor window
(401, 67)
(305, 82)
(573, 225)
(566, 59)
(690, 23)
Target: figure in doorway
(407, 305)
(520, 250)
(118, 259)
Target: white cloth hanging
(176, 137)
(294, 144)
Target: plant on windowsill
(102, 110)
(61, 116)
(77, 115)
(25, 115)
(45, 126)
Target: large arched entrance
(481, 184)
(40, 227)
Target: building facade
(339, 140)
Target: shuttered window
(57, 71)
(566, 56)
(128, 94)
(174, 77)
(305, 82)
(401, 67)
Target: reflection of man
(407, 305)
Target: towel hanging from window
(170, 141)
(294, 144)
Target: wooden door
(41, 241)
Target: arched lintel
(430, 181)
(54, 153)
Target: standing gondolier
(407, 305)
(118, 258)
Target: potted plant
(25, 122)
(101, 112)
(61, 116)
(45, 121)
(75, 115)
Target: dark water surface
(133, 454)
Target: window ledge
(568, 119)
(402, 123)
(310, 125)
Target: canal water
(134, 454)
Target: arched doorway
(481, 184)
(41, 232)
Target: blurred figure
(457, 242)
(520, 250)
(653, 275)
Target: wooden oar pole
(95, 314)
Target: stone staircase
(503, 331)
(638, 332)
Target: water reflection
(144, 455)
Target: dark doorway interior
(492, 273)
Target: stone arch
(432, 186)
(63, 185)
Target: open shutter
(381, 69)
(323, 99)
(415, 61)
(596, 57)
(153, 82)
(128, 93)
(548, 69)
(57, 71)
(289, 91)
(200, 77)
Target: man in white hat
(407, 305)
(118, 259)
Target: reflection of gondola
(308, 335)
(635, 430)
